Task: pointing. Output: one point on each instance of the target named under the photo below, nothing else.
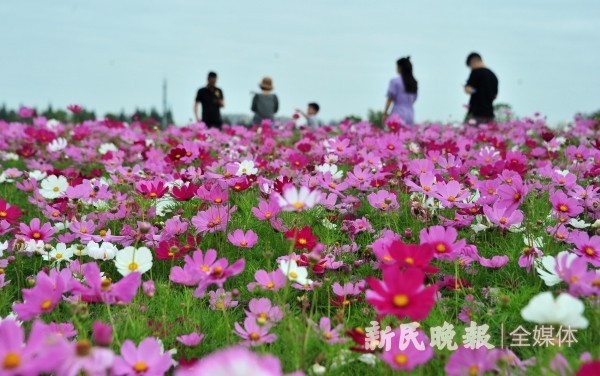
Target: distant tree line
(66, 116)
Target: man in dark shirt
(211, 98)
(482, 85)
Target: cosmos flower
(564, 310)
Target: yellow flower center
(473, 370)
(563, 208)
(441, 248)
(3, 214)
(58, 256)
(401, 359)
(133, 266)
(37, 235)
(140, 367)
(11, 361)
(270, 285)
(503, 220)
(268, 215)
(400, 300)
(327, 335)
(590, 251)
(153, 195)
(56, 189)
(254, 336)
(451, 198)
(293, 274)
(298, 205)
(409, 260)
(218, 200)
(243, 243)
(46, 304)
(302, 241)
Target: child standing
(311, 115)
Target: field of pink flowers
(345, 250)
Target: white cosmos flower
(564, 310)
(546, 267)
(9, 156)
(52, 124)
(298, 200)
(479, 225)
(246, 168)
(131, 260)
(57, 144)
(3, 247)
(578, 223)
(294, 272)
(164, 205)
(331, 158)
(37, 175)
(332, 169)
(105, 148)
(59, 254)
(53, 186)
(103, 251)
(34, 246)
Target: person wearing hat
(265, 104)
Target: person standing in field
(402, 92)
(482, 85)
(211, 98)
(265, 104)
(311, 115)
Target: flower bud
(102, 333)
(149, 288)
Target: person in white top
(311, 115)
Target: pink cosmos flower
(587, 247)
(218, 194)
(191, 340)
(221, 300)
(528, 257)
(41, 354)
(471, 362)
(235, 361)
(241, 239)
(40, 299)
(266, 210)
(213, 219)
(264, 313)
(82, 358)
(411, 357)
(426, 185)
(401, 293)
(82, 228)
(383, 200)
(297, 199)
(443, 241)
(36, 232)
(147, 359)
(327, 333)
(565, 206)
(451, 194)
(273, 281)
(103, 290)
(502, 215)
(152, 189)
(253, 333)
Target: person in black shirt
(482, 85)
(211, 98)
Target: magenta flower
(268, 281)
(213, 219)
(102, 333)
(494, 262)
(241, 239)
(36, 232)
(327, 333)
(564, 205)
(588, 248)
(528, 256)
(103, 290)
(221, 300)
(443, 241)
(471, 362)
(147, 359)
(502, 215)
(426, 185)
(410, 357)
(383, 200)
(40, 299)
(234, 361)
(82, 358)
(152, 189)
(41, 354)
(451, 194)
(266, 210)
(82, 228)
(191, 340)
(253, 333)
(264, 313)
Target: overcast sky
(113, 54)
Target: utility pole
(163, 124)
